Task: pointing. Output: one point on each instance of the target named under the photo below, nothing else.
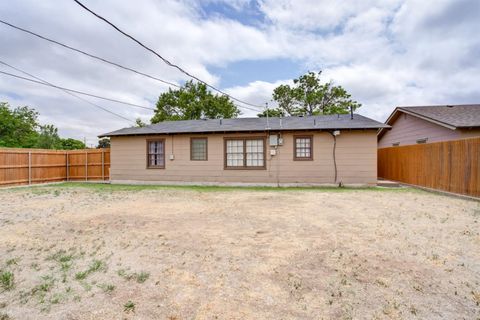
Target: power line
(101, 59)
(164, 59)
(67, 89)
(67, 92)
(89, 54)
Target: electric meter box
(273, 140)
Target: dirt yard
(112, 252)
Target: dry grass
(71, 252)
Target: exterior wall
(356, 161)
(407, 129)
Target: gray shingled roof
(323, 122)
(459, 116)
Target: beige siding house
(317, 150)
(424, 124)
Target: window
(302, 148)
(424, 140)
(245, 153)
(156, 154)
(198, 149)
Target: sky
(386, 53)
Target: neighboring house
(412, 125)
(252, 151)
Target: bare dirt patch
(88, 253)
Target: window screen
(245, 153)
(303, 148)
(198, 149)
(254, 153)
(235, 153)
(156, 154)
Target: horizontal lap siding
(407, 129)
(356, 160)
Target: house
(423, 124)
(311, 150)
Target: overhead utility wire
(164, 59)
(89, 54)
(67, 89)
(67, 92)
(100, 58)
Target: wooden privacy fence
(452, 166)
(28, 166)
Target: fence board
(452, 166)
(52, 165)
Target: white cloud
(385, 52)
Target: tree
(48, 137)
(308, 96)
(103, 143)
(70, 144)
(139, 123)
(193, 101)
(272, 113)
(18, 126)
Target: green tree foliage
(272, 113)
(48, 137)
(104, 143)
(308, 96)
(193, 101)
(139, 123)
(70, 144)
(19, 128)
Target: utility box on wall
(273, 139)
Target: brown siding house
(424, 124)
(314, 150)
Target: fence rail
(452, 166)
(28, 166)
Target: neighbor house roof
(323, 122)
(449, 116)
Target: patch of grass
(81, 275)
(56, 298)
(12, 262)
(96, 265)
(129, 306)
(102, 187)
(6, 279)
(140, 277)
(65, 266)
(45, 286)
(107, 288)
(61, 256)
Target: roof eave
(398, 110)
(112, 134)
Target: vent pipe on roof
(220, 121)
(351, 113)
(314, 122)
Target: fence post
(66, 164)
(86, 165)
(29, 167)
(103, 164)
